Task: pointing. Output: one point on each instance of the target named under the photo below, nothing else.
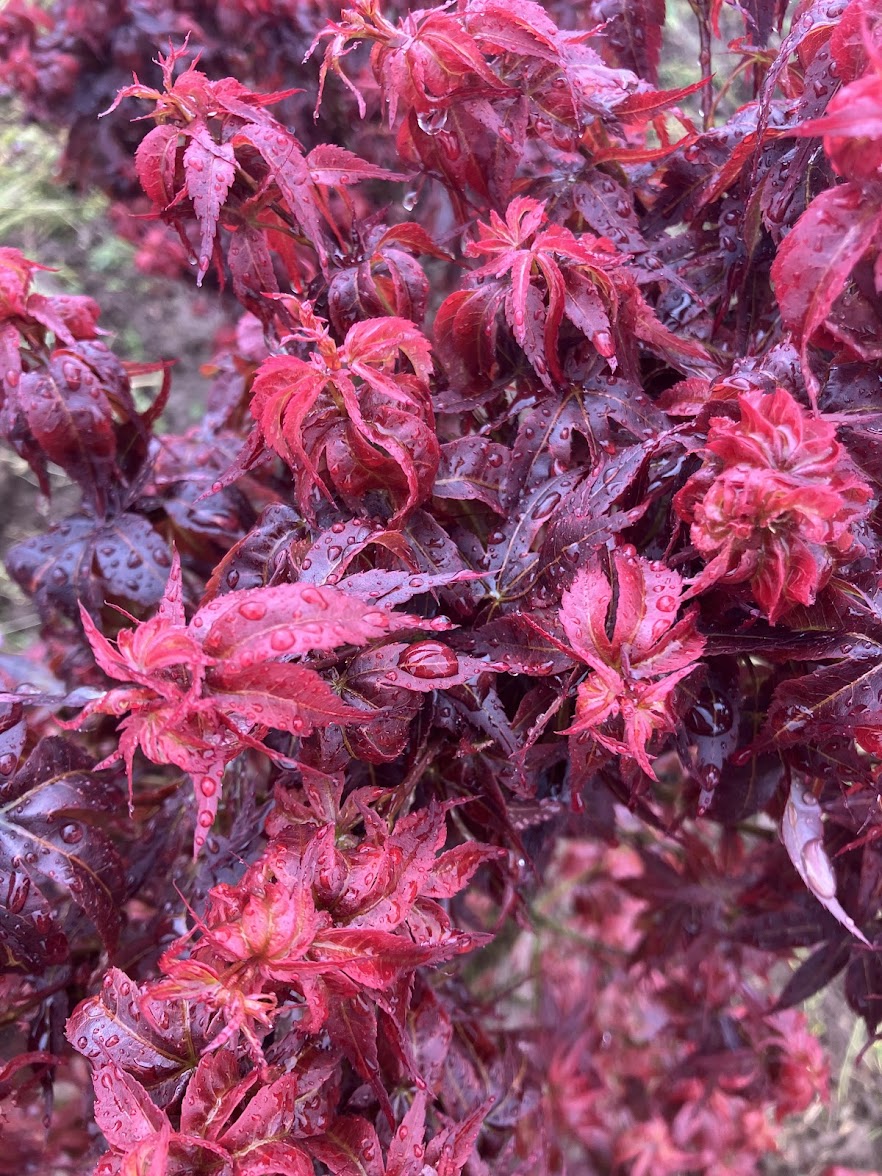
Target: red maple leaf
(363, 408)
(629, 696)
(774, 502)
(538, 275)
(337, 930)
(426, 62)
(351, 1148)
(852, 122)
(202, 692)
(382, 277)
(217, 150)
(257, 1142)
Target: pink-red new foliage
(426, 756)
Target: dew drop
(546, 505)
(377, 620)
(710, 715)
(429, 659)
(432, 122)
(603, 341)
(282, 640)
(253, 610)
(311, 596)
(72, 374)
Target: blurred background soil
(151, 318)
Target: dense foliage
(516, 598)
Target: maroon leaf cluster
(516, 596)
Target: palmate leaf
(213, 134)
(87, 561)
(157, 1043)
(209, 170)
(840, 700)
(802, 832)
(199, 694)
(642, 621)
(626, 629)
(46, 834)
(538, 275)
(263, 624)
(512, 561)
(363, 409)
(526, 280)
(352, 939)
(257, 1143)
(816, 260)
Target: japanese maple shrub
(427, 755)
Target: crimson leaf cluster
(516, 596)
